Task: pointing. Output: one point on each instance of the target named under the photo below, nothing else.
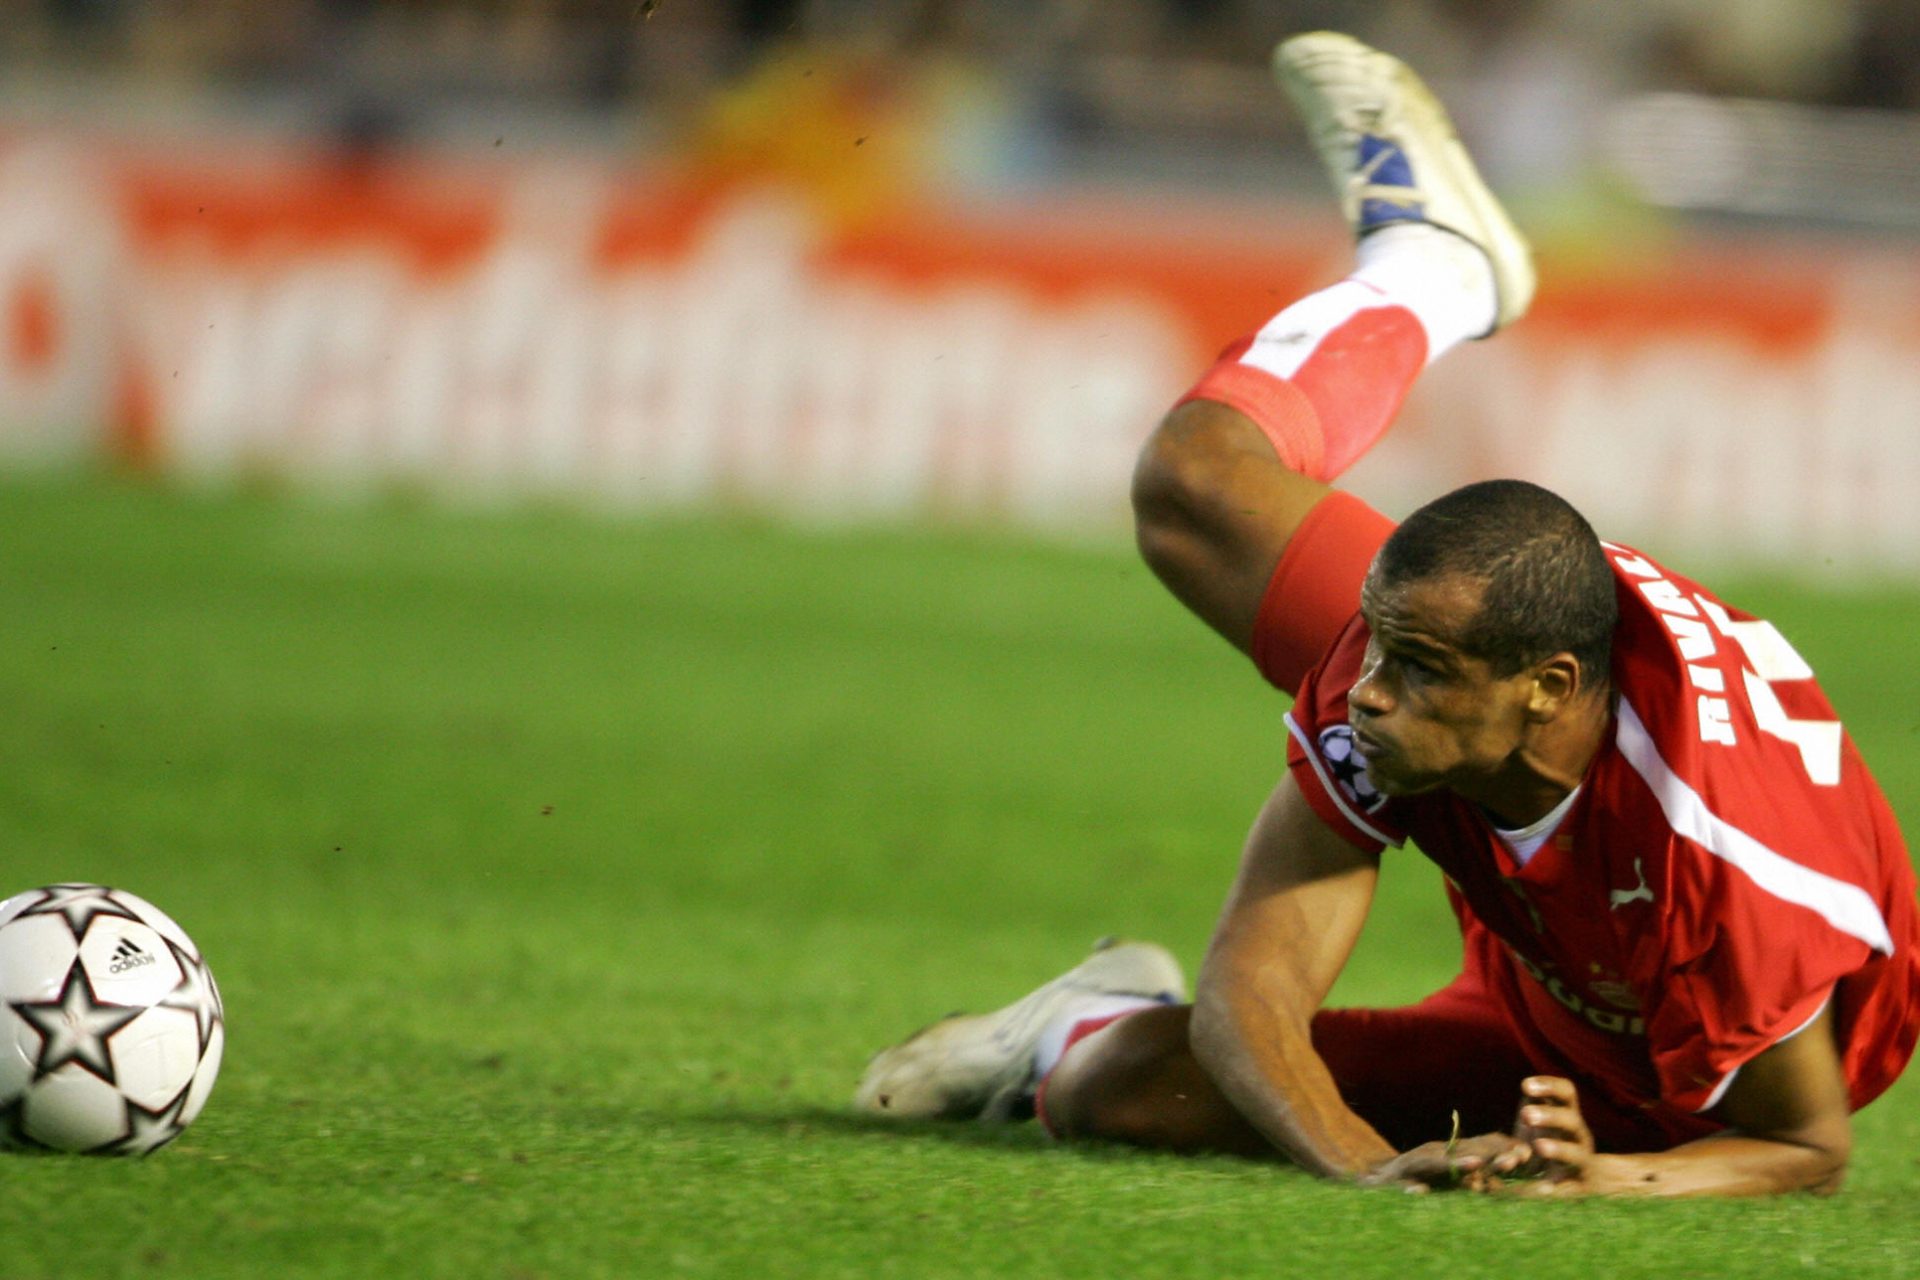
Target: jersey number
(1770, 658)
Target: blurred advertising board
(497, 325)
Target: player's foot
(982, 1064)
(1394, 157)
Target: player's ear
(1556, 682)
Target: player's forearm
(1723, 1165)
(1263, 1061)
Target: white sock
(1052, 1044)
(1444, 279)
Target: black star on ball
(148, 1130)
(76, 1027)
(79, 903)
(195, 992)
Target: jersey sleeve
(1330, 772)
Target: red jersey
(1726, 868)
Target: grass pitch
(560, 874)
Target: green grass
(561, 873)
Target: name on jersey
(1681, 615)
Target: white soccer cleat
(982, 1064)
(1394, 157)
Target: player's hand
(1442, 1166)
(1553, 1154)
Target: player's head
(1492, 612)
(1547, 584)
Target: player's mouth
(1369, 746)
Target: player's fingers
(1549, 1089)
(1562, 1159)
(1563, 1112)
(1563, 1122)
(1514, 1157)
(1537, 1092)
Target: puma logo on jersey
(1619, 898)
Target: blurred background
(948, 257)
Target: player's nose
(1368, 696)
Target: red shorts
(1406, 1071)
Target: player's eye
(1417, 666)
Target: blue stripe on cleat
(1384, 163)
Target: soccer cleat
(1393, 155)
(982, 1064)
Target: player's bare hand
(1553, 1155)
(1441, 1166)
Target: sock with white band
(1446, 281)
(1324, 378)
(1052, 1044)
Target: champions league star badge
(1349, 768)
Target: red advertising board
(646, 338)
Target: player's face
(1426, 714)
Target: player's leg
(1115, 1028)
(1242, 467)
(988, 1064)
(1134, 1079)
(1102, 1053)
(1404, 1071)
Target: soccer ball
(110, 1025)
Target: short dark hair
(1548, 586)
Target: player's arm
(1789, 1129)
(1287, 929)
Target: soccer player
(1687, 915)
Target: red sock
(1324, 378)
(1315, 589)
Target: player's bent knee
(1092, 1091)
(1208, 485)
(1136, 1082)
(1180, 485)
(1186, 466)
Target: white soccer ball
(110, 1025)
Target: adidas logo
(128, 955)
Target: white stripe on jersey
(1312, 750)
(1847, 907)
